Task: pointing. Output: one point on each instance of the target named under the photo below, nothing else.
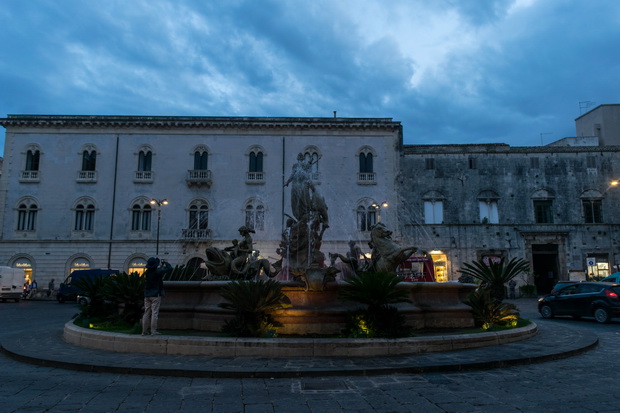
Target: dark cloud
(450, 71)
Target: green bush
(488, 312)
(379, 319)
(253, 303)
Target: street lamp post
(159, 203)
(378, 207)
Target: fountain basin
(194, 306)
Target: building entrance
(545, 266)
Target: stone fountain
(312, 289)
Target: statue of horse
(221, 263)
(386, 254)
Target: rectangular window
(433, 212)
(488, 212)
(543, 211)
(534, 163)
(592, 211)
(430, 163)
(591, 162)
(473, 163)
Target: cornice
(195, 122)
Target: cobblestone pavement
(582, 383)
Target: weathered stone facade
(76, 192)
(550, 205)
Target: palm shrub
(183, 273)
(494, 275)
(127, 290)
(488, 312)
(94, 288)
(380, 318)
(253, 303)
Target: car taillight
(611, 294)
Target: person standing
(153, 291)
(511, 287)
(50, 287)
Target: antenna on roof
(334, 114)
(541, 137)
(585, 104)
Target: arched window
(141, 216)
(255, 215)
(198, 215)
(366, 216)
(89, 160)
(32, 159)
(27, 210)
(84, 216)
(366, 165)
(201, 160)
(366, 173)
(145, 158)
(256, 162)
(311, 157)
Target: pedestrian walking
(153, 292)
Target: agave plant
(253, 303)
(495, 274)
(128, 290)
(377, 291)
(93, 288)
(488, 312)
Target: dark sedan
(586, 299)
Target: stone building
(551, 205)
(76, 191)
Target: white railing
(87, 176)
(196, 234)
(29, 176)
(143, 177)
(366, 178)
(255, 178)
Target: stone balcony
(198, 177)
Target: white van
(11, 283)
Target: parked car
(613, 278)
(83, 299)
(562, 284)
(585, 299)
(68, 291)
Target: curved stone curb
(287, 347)
(552, 342)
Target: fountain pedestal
(194, 306)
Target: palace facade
(77, 192)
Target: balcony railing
(255, 178)
(366, 178)
(196, 234)
(87, 176)
(143, 177)
(29, 176)
(198, 177)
